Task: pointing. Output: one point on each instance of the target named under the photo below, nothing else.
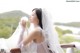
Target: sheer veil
(51, 34)
(13, 41)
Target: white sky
(61, 10)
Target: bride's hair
(39, 15)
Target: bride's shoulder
(37, 29)
(35, 32)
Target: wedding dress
(35, 47)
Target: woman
(40, 38)
(40, 34)
(35, 37)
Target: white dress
(36, 47)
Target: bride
(41, 36)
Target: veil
(13, 41)
(51, 34)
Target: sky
(60, 10)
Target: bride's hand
(23, 23)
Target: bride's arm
(21, 36)
(33, 35)
(23, 24)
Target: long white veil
(51, 34)
(13, 41)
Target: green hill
(13, 14)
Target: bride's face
(33, 17)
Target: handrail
(67, 45)
(17, 50)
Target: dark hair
(39, 15)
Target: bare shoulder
(37, 30)
(36, 33)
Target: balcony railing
(17, 50)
